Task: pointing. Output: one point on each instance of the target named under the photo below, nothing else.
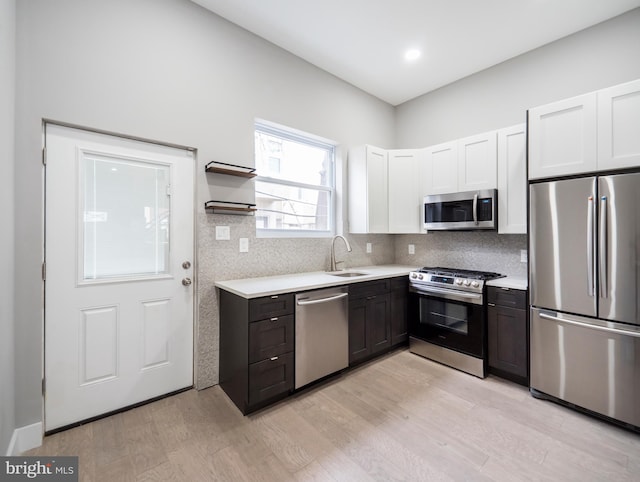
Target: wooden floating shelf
(230, 169)
(230, 207)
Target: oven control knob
(475, 284)
(420, 276)
(414, 276)
(466, 282)
(458, 282)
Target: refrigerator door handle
(635, 334)
(475, 208)
(603, 247)
(590, 245)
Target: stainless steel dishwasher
(322, 334)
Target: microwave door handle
(475, 209)
(590, 245)
(603, 247)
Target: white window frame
(310, 140)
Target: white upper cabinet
(562, 137)
(368, 190)
(477, 162)
(593, 132)
(512, 180)
(405, 190)
(441, 168)
(619, 126)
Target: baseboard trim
(25, 438)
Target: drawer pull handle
(491, 304)
(273, 358)
(506, 289)
(274, 297)
(274, 319)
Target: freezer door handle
(603, 247)
(567, 321)
(590, 246)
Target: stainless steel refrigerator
(585, 293)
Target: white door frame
(45, 122)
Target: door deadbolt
(186, 281)
(186, 265)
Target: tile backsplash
(479, 250)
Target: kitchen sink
(346, 274)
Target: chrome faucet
(333, 251)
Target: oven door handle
(475, 298)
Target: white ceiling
(363, 41)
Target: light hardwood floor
(400, 417)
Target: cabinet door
(562, 137)
(405, 192)
(477, 162)
(619, 126)
(379, 321)
(377, 191)
(507, 337)
(441, 163)
(358, 330)
(399, 293)
(512, 180)
(368, 190)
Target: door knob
(186, 265)
(186, 281)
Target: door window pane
(125, 218)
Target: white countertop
(288, 283)
(513, 282)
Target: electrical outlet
(524, 257)
(369, 248)
(244, 245)
(412, 249)
(223, 233)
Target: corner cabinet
(508, 336)
(368, 190)
(512, 180)
(593, 132)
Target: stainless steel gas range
(447, 317)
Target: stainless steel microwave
(468, 211)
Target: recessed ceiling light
(412, 54)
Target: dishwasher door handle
(322, 300)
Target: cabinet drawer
(369, 288)
(271, 306)
(270, 377)
(268, 338)
(400, 283)
(507, 297)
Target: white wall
(601, 56)
(7, 95)
(598, 57)
(171, 71)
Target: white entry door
(119, 263)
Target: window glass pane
(290, 207)
(290, 160)
(125, 218)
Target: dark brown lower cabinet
(377, 317)
(508, 336)
(257, 343)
